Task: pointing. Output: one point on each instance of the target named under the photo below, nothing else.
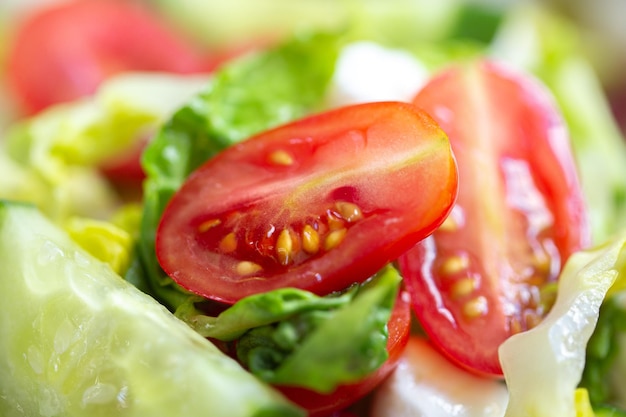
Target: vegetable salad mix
(296, 208)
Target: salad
(357, 209)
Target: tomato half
(319, 405)
(64, 51)
(318, 204)
(487, 272)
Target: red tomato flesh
(319, 405)
(483, 276)
(318, 204)
(64, 51)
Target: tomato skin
(388, 160)
(519, 214)
(321, 405)
(126, 169)
(64, 51)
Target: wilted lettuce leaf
(245, 97)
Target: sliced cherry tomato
(125, 170)
(318, 204)
(487, 272)
(319, 405)
(64, 51)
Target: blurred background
(535, 34)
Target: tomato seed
(310, 240)
(334, 221)
(515, 326)
(463, 287)
(523, 321)
(228, 243)
(280, 157)
(247, 268)
(541, 263)
(284, 247)
(349, 211)
(209, 224)
(476, 307)
(535, 280)
(334, 238)
(531, 319)
(454, 264)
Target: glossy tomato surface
(65, 50)
(322, 405)
(489, 271)
(318, 204)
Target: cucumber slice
(77, 340)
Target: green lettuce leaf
(606, 353)
(256, 311)
(247, 96)
(605, 356)
(60, 195)
(296, 350)
(52, 159)
(608, 411)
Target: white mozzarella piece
(368, 72)
(426, 384)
